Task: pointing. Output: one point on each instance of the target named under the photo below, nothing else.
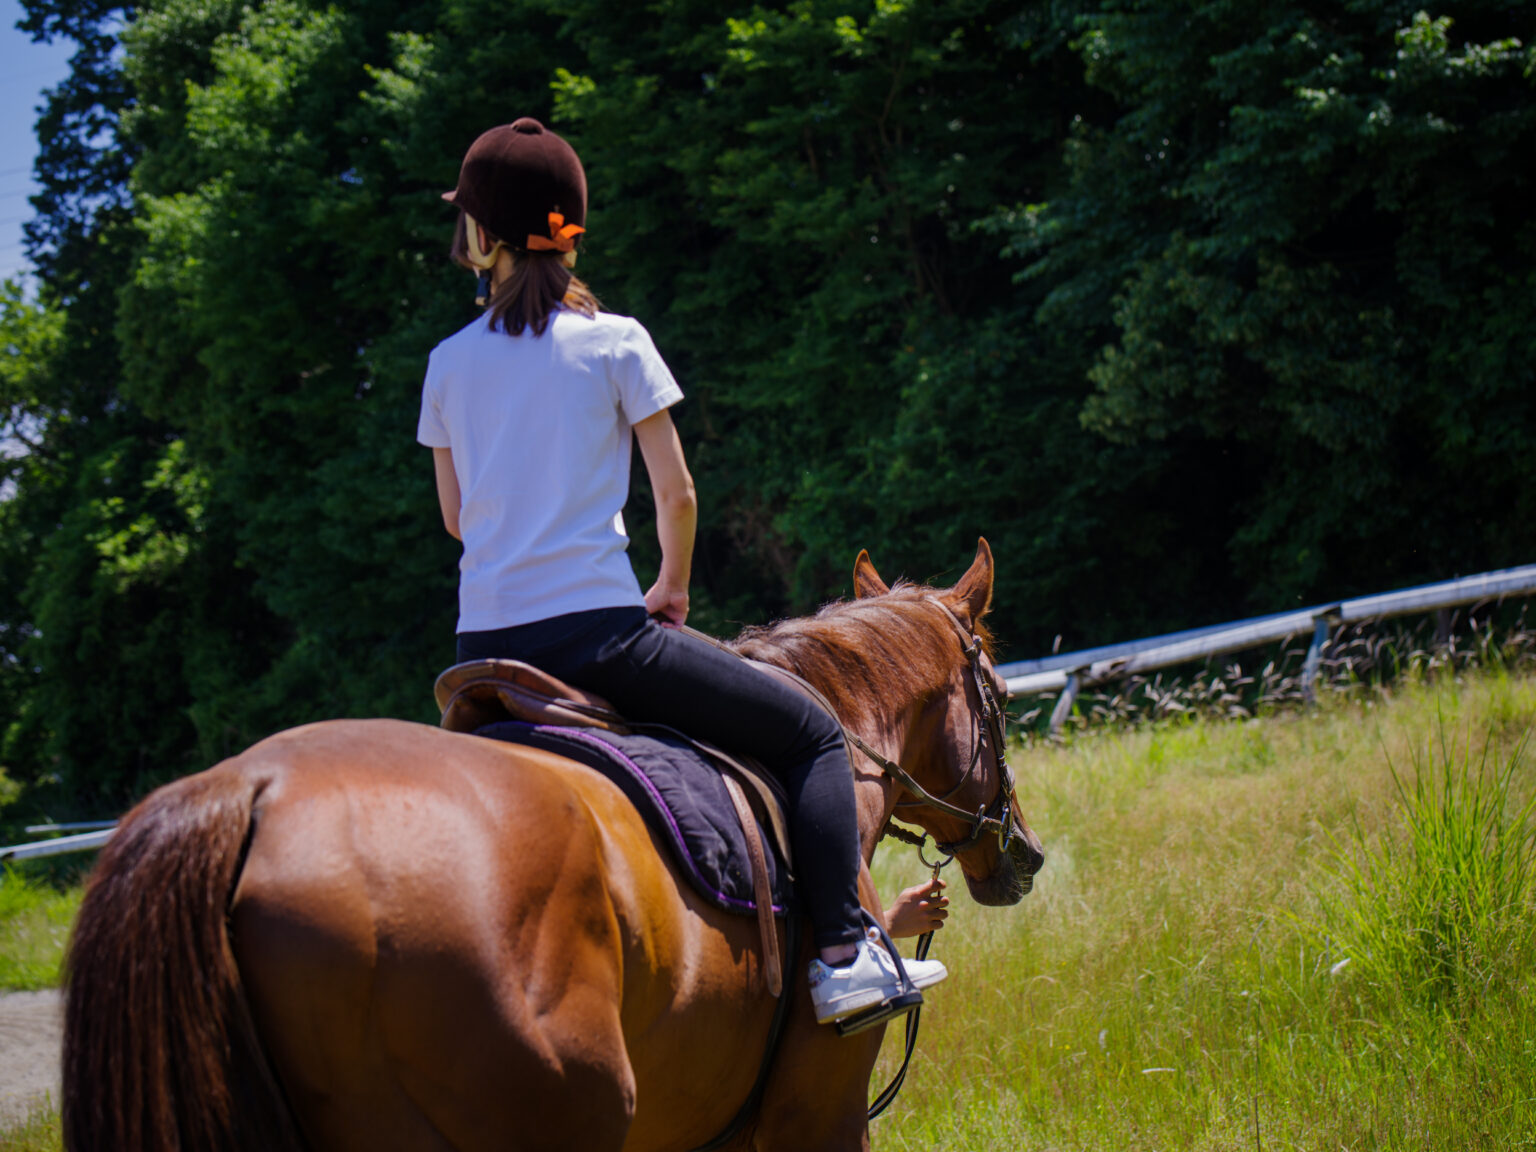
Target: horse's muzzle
(1013, 874)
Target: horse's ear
(974, 592)
(866, 581)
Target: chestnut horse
(373, 934)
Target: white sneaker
(869, 979)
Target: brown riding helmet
(526, 185)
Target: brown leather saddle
(479, 693)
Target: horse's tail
(160, 1049)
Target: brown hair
(539, 282)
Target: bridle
(989, 720)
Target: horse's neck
(889, 731)
(895, 729)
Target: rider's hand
(668, 603)
(921, 908)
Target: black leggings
(659, 675)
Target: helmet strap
(480, 258)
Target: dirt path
(31, 1031)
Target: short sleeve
(644, 382)
(430, 429)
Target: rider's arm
(447, 489)
(677, 512)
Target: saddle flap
(685, 799)
(764, 793)
(480, 692)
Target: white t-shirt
(540, 428)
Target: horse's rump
(432, 940)
(446, 938)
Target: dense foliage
(1192, 308)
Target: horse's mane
(866, 655)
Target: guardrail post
(1322, 626)
(1065, 701)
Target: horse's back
(447, 940)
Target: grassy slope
(34, 923)
(1156, 991)
(1159, 990)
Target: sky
(25, 70)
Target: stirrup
(904, 1001)
(898, 1005)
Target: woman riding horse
(530, 411)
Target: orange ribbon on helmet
(562, 236)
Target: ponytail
(539, 283)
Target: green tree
(791, 197)
(1304, 238)
(76, 711)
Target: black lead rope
(883, 1101)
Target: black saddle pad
(681, 796)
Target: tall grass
(35, 916)
(41, 1130)
(1437, 912)
(1176, 979)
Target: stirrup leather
(908, 998)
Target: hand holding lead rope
(919, 909)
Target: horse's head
(964, 794)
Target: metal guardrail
(77, 826)
(1070, 672)
(80, 843)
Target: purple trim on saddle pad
(681, 797)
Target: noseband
(996, 816)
